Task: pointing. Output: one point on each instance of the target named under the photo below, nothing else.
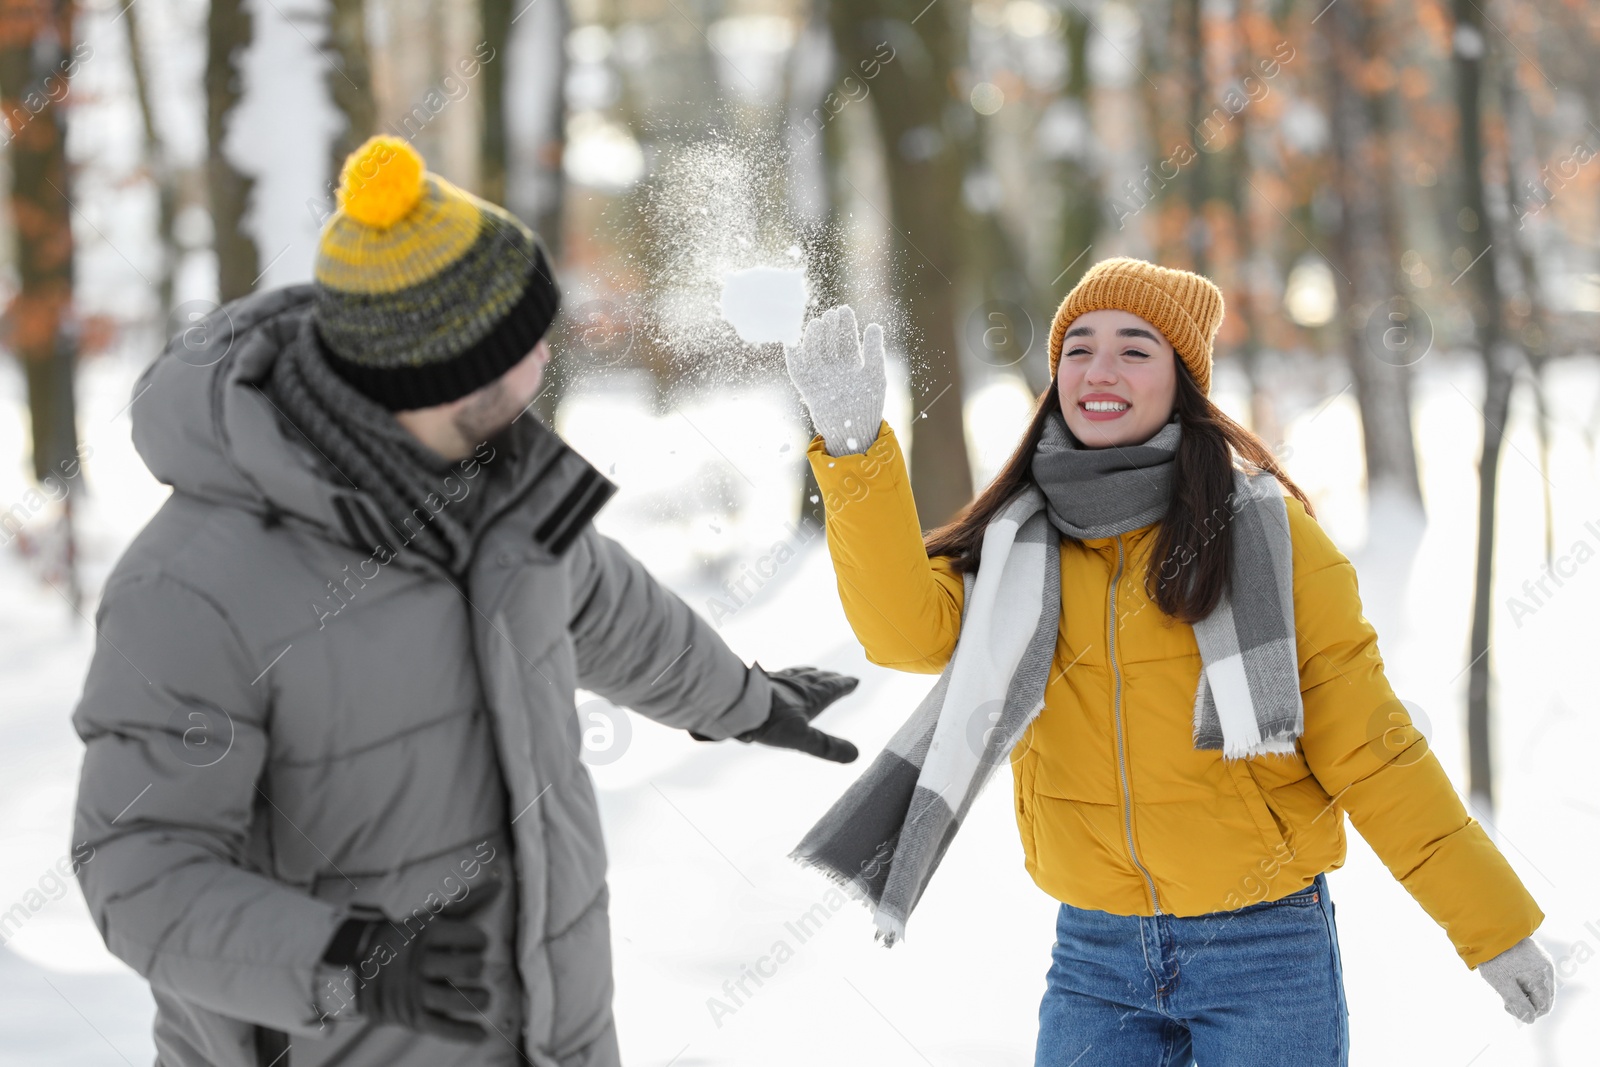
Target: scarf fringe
(889, 931)
(1280, 745)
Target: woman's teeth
(1103, 405)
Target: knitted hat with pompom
(424, 292)
(1185, 307)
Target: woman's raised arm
(905, 608)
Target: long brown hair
(1195, 539)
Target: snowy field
(702, 891)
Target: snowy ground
(698, 834)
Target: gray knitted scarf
(366, 447)
(883, 839)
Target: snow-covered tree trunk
(159, 164)
(272, 120)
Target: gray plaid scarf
(883, 839)
(363, 445)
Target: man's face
(480, 415)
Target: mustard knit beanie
(424, 293)
(1185, 307)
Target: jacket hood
(203, 425)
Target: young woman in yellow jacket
(1195, 919)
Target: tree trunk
(494, 16)
(1483, 293)
(34, 45)
(1536, 334)
(1197, 186)
(1154, 189)
(350, 82)
(1237, 164)
(819, 149)
(159, 166)
(1077, 189)
(548, 211)
(1372, 313)
(272, 169)
(912, 103)
(35, 41)
(1076, 177)
(525, 96)
(229, 30)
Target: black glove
(428, 981)
(800, 694)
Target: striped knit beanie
(1185, 307)
(424, 292)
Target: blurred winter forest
(1400, 202)
(1369, 183)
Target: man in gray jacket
(332, 782)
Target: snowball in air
(765, 305)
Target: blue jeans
(1259, 986)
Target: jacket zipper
(1122, 763)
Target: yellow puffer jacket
(1117, 809)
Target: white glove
(841, 379)
(1525, 977)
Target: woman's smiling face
(1115, 360)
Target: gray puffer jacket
(286, 725)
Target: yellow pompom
(381, 181)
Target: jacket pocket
(1250, 793)
(1022, 768)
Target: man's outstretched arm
(640, 646)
